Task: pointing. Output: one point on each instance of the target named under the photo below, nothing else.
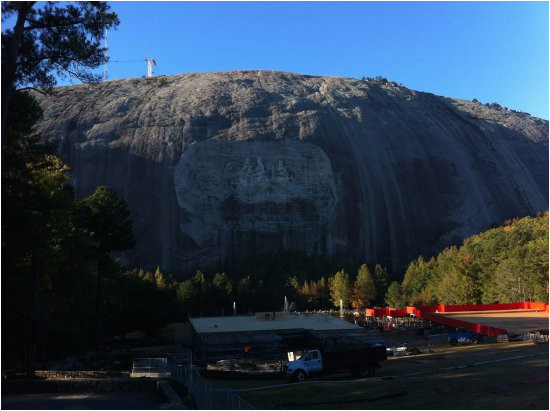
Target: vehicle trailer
(361, 361)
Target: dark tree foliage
(133, 302)
(49, 39)
(45, 266)
(107, 220)
(381, 282)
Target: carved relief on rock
(264, 186)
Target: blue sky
(493, 51)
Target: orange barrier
(386, 312)
(430, 312)
(441, 308)
(453, 322)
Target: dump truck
(361, 361)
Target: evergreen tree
(222, 282)
(340, 289)
(49, 39)
(36, 230)
(381, 282)
(186, 295)
(323, 290)
(107, 219)
(314, 293)
(364, 291)
(223, 291)
(395, 297)
(246, 293)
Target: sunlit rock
(217, 165)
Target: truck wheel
(299, 376)
(367, 370)
(453, 341)
(474, 340)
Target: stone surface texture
(218, 165)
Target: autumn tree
(417, 281)
(364, 291)
(160, 280)
(340, 289)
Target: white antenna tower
(106, 66)
(150, 64)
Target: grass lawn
(511, 384)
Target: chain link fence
(207, 396)
(149, 367)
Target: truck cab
(309, 363)
(360, 360)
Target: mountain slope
(217, 165)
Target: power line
(125, 61)
(151, 63)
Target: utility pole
(150, 64)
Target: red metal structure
(430, 313)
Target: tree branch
(36, 25)
(33, 88)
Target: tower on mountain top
(150, 64)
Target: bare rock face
(218, 165)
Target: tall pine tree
(364, 291)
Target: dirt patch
(513, 321)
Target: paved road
(102, 401)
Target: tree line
(501, 265)
(63, 292)
(216, 293)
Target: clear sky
(493, 51)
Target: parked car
(464, 336)
(390, 347)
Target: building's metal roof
(314, 321)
